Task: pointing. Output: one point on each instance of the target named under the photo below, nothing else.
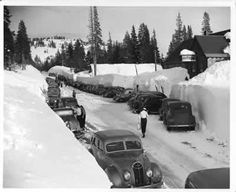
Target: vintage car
(179, 115)
(121, 155)
(124, 96)
(218, 178)
(164, 106)
(68, 115)
(71, 102)
(53, 97)
(150, 101)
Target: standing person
(143, 120)
(74, 93)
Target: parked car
(53, 97)
(164, 106)
(152, 102)
(218, 178)
(124, 96)
(179, 115)
(71, 102)
(121, 155)
(68, 115)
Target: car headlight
(127, 175)
(149, 173)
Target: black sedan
(218, 178)
(121, 155)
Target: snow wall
(161, 80)
(125, 69)
(209, 94)
(39, 151)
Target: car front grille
(138, 174)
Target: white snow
(161, 80)
(186, 52)
(125, 68)
(209, 94)
(39, 150)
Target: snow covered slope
(39, 150)
(209, 94)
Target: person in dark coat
(143, 120)
(74, 93)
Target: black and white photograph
(102, 95)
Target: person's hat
(144, 109)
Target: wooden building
(207, 49)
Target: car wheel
(168, 128)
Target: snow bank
(39, 150)
(209, 94)
(161, 80)
(125, 69)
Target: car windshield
(119, 146)
(133, 145)
(115, 146)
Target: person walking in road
(143, 120)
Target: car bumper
(153, 185)
(176, 126)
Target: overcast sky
(48, 20)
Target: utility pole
(155, 55)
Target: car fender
(114, 176)
(157, 174)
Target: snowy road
(177, 153)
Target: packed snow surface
(39, 150)
(209, 94)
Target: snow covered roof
(212, 44)
(186, 52)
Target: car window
(181, 108)
(115, 146)
(133, 145)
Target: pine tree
(177, 37)
(145, 51)
(95, 35)
(69, 55)
(189, 32)
(184, 33)
(206, 28)
(22, 47)
(8, 39)
(154, 48)
(127, 48)
(109, 50)
(79, 56)
(134, 53)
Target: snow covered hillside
(48, 51)
(39, 150)
(209, 94)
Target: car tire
(168, 128)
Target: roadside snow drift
(39, 150)
(161, 80)
(209, 94)
(125, 69)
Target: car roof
(116, 134)
(177, 103)
(210, 178)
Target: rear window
(133, 145)
(181, 108)
(115, 146)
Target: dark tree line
(16, 47)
